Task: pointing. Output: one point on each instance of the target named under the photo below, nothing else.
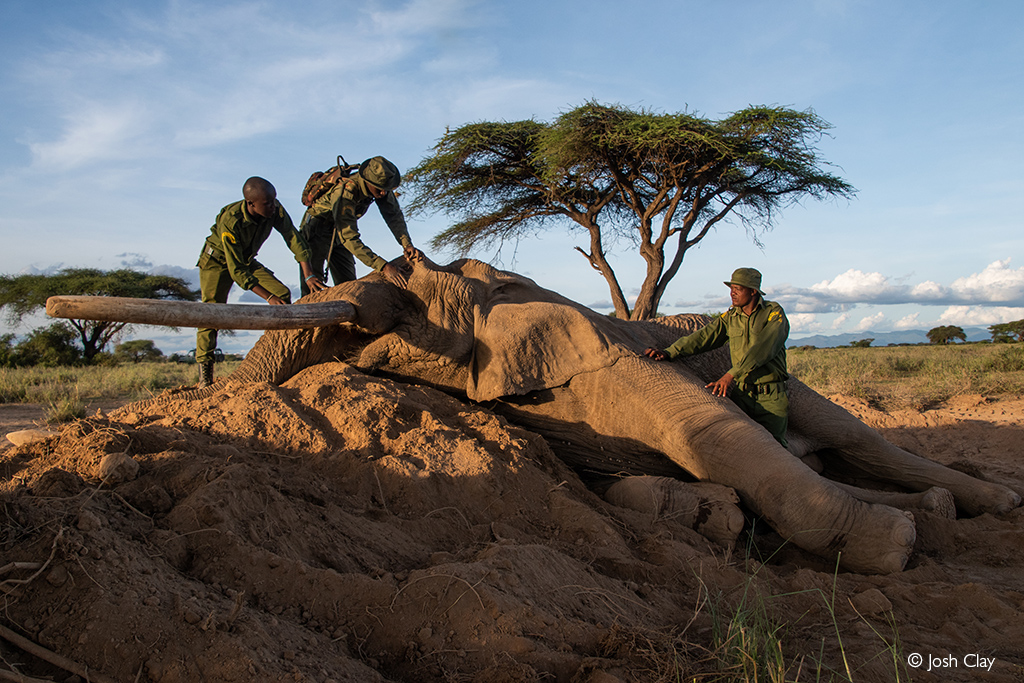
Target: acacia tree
(944, 334)
(138, 350)
(21, 295)
(661, 181)
(1007, 332)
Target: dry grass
(912, 376)
(63, 387)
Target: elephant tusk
(195, 314)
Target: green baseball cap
(747, 277)
(381, 173)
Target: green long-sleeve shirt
(237, 235)
(348, 201)
(757, 343)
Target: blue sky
(128, 125)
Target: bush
(49, 346)
(7, 355)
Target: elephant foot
(883, 546)
(939, 501)
(976, 497)
(709, 509)
(1009, 500)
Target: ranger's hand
(411, 254)
(655, 354)
(721, 386)
(315, 284)
(265, 294)
(312, 280)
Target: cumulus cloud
(980, 315)
(133, 260)
(804, 322)
(840, 321)
(998, 283)
(871, 322)
(909, 322)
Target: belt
(763, 388)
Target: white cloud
(804, 322)
(980, 316)
(871, 322)
(909, 322)
(94, 132)
(997, 283)
(928, 290)
(853, 285)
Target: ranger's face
(265, 206)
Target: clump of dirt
(343, 527)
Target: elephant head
(578, 377)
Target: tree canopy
(137, 350)
(657, 181)
(22, 295)
(946, 334)
(1007, 332)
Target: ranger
(330, 224)
(229, 256)
(756, 331)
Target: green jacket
(348, 201)
(236, 238)
(757, 343)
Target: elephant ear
(528, 338)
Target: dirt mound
(348, 528)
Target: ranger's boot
(206, 373)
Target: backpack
(322, 182)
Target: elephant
(579, 378)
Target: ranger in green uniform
(229, 256)
(756, 331)
(330, 225)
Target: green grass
(62, 387)
(912, 376)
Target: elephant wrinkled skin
(577, 377)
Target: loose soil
(343, 527)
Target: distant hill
(822, 341)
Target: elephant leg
(824, 425)
(709, 509)
(936, 499)
(665, 406)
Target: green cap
(747, 277)
(381, 173)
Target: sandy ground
(348, 528)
